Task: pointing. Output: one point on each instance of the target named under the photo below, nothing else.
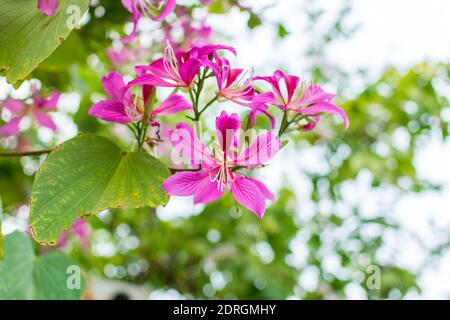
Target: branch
(24, 153)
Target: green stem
(208, 104)
(284, 124)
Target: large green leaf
(26, 276)
(28, 37)
(89, 174)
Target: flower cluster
(37, 108)
(209, 170)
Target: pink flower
(38, 111)
(195, 36)
(228, 82)
(122, 108)
(219, 169)
(80, 230)
(309, 101)
(176, 69)
(47, 7)
(120, 57)
(259, 106)
(156, 10)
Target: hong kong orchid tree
(207, 171)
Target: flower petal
(249, 195)
(47, 7)
(325, 107)
(114, 85)
(173, 104)
(15, 106)
(187, 145)
(185, 183)
(11, 128)
(111, 111)
(226, 129)
(51, 101)
(263, 188)
(44, 120)
(168, 9)
(131, 7)
(261, 151)
(208, 192)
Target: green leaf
(28, 37)
(86, 175)
(254, 21)
(282, 31)
(26, 276)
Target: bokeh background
(377, 194)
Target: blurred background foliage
(222, 252)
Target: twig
(24, 153)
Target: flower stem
(284, 124)
(209, 104)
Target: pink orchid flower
(219, 168)
(176, 69)
(122, 108)
(120, 57)
(47, 7)
(38, 111)
(80, 230)
(310, 100)
(156, 10)
(228, 83)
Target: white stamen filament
(148, 7)
(224, 176)
(171, 64)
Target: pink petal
(315, 94)
(185, 183)
(11, 128)
(152, 80)
(44, 120)
(261, 151)
(51, 101)
(168, 9)
(114, 85)
(260, 104)
(47, 7)
(131, 7)
(187, 145)
(173, 104)
(325, 107)
(311, 125)
(15, 106)
(208, 192)
(264, 190)
(189, 70)
(290, 82)
(111, 111)
(226, 129)
(249, 195)
(206, 50)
